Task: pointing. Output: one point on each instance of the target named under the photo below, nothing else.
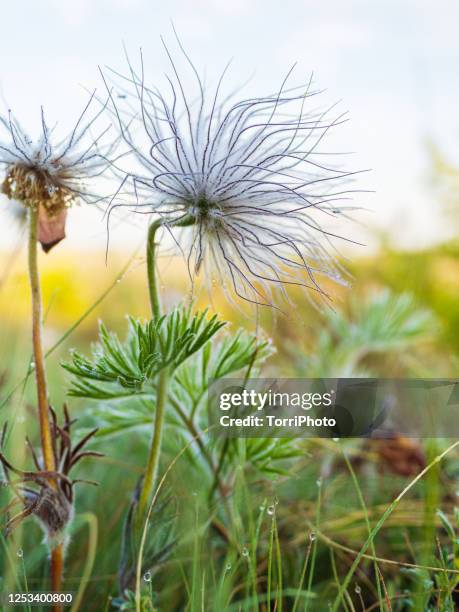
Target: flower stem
(151, 261)
(37, 341)
(57, 558)
(151, 472)
(151, 269)
(57, 567)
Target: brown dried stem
(40, 377)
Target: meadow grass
(376, 536)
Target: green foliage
(431, 276)
(265, 455)
(119, 370)
(214, 359)
(114, 417)
(157, 549)
(126, 365)
(385, 324)
(218, 359)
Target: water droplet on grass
(271, 510)
(312, 536)
(357, 589)
(245, 551)
(20, 552)
(147, 576)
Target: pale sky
(392, 63)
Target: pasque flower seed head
(247, 177)
(52, 173)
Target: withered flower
(48, 496)
(50, 174)
(399, 455)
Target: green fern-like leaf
(120, 369)
(218, 359)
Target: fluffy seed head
(47, 496)
(50, 174)
(247, 176)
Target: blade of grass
(147, 518)
(303, 574)
(279, 569)
(270, 559)
(75, 325)
(24, 573)
(367, 522)
(91, 521)
(354, 552)
(348, 601)
(381, 521)
(314, 545)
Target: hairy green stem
(151, 471)
(151, 261)
(151, 269)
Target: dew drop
(312, 536)
(262, 508)
(20, 552)
(51, 189)
(32, 365)
(319, 482)
(357, 589)
(228, 567)
(147, 576)
(245, 551)
(271, 510)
